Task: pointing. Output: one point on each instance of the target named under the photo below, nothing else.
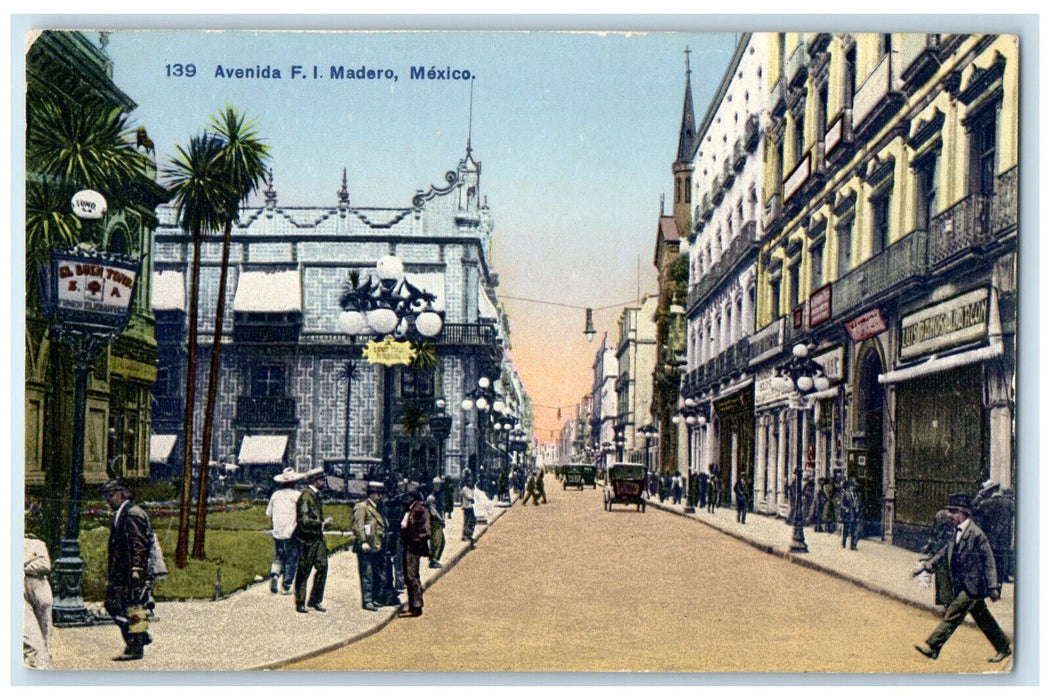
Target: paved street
(570, 587)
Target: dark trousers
(313, 555)
(850, 529)
(469, 521)
(285, 560)
(956, 613)
(369, 571)
(437, 540)
(412, 581)
(741, 512)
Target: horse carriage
(626, 485)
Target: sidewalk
(251, 629)
(875, 565)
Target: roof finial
(688, 70)
(343, 193)
(270, 192)
(470, 118)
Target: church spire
(687, 135)
(470, 117)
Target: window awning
(160, 447)
(486, 309)
(263, 449)
(169, 291)
(269, 292)
(940, 364)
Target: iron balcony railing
(265, 410)
(960, 229)
(1004, 204)
(903, 261)
(742, 245)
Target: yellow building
(891, 214)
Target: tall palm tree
(242, 162)
(201, 197)
(347, 373)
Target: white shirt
(960, 529)
(281, 510)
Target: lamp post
(619, 445)
(799, 376)
(391, 310)
(87, 296)
(440, 428)
(691, 414)
(482, 398)
(648, 430)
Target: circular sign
(89, 204)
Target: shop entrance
(866, 462)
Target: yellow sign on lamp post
(389, 352)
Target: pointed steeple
(270, 194)
(343, 193)
(687, 134)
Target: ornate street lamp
(799, 376)
(648, 430)
(619, 445)
(692, 415)
(440, 428)
(86, 298)
(483, 398)
(392, 311)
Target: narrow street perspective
(569, 586)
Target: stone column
(782, 443)
(761, 465)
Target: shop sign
(820, 306)
(867, 325)
(92, 285)
(833, 136)
(797, 178)
(767, 342)
(834, 363)
(959, 320)
(764, 391)
(389, 352)
(88, 204)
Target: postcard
(521, 350)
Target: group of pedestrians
(534, 489)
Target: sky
(576, 133)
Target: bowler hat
(959, 501)
(113, 485)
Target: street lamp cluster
(799, 376)
(692, 414)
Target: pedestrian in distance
(449, 497)
(539, 485)
(850, 512)
(37, 600)
(466, 496)
(713, 487)
(972, 569)
(437, 532)
(369, 530)
(676, 489)
(310, 524)
(827, 512)
(283, 520)
(818, 514)
(530, 492)
(415, 536)
(703, 489)
(129, 575)
(740, 493)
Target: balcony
(742, 245)
(796, 64)
(467, 334)
(960, 230)
(265, 410)
(902, 262)
(1004, 203)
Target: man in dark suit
(972, 569)
(310, 522)
(128, 581)
(370, 528)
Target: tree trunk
(187, 422)
(209, 405)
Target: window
(880, 222)
(850, 76)
(844, 233)
(800, 133)
(267, 381)
(926, 193)
(885, 41)
(983, 153)
(774, 290)
(792, 282)
(816, 265)
(417, 383)
(822, 111)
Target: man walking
(466, 496)
(415, 536)
(712, 496)
(128, 581)
(850, 510)
(740, 492)
(437, 532)
(540, 492)
(310, 522)
(281, 511)
(972, 569)
(369, 530)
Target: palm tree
(347, 373)
(242, 164)
(201, 196)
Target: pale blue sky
(576, 133)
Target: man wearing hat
(281, 511)
(972, 569)
(310, 522)
(128, 581)
(369, 529)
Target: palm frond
(244, 154)
(201, 192)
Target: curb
(809, 563)
(390, 617)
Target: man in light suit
(972, 568)
(369, 529)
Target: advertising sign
(867, 325)
(820, 306)
(94, 285)
(959, 320)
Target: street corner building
(286, 398)
(856, 195)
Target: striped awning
(263, 449)
(160, 447)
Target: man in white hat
(281, 511)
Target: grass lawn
(238, 546)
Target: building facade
(295, 391)
(603, 401)
(891, 224)
(635, 361)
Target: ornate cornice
(926, 130)
(983, 79)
